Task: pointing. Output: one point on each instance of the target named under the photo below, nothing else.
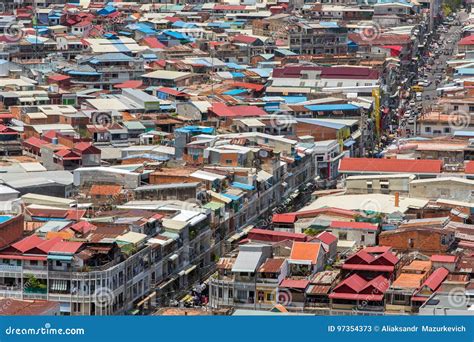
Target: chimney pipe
(397, 199)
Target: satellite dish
(263, 153)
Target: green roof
(213, 205)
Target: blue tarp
(232, 197)
(242, 186)
(235, 92)
(331, 107)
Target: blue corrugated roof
(331, 107)
(237, 74)
(242, 186)
(294, 99)
(83, 73)
(236, 66)
(182, 24)
(175, 35)
(235, 92)
(232, 197)
(196, 129)
(329, 24)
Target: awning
(190, 269)
(60, 257)
(349, 142)
(395, 50)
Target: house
(166, 78)
(357, 293)
(329, 243)
(429, 287)
(446, 261)
(105, 193)
(363, 233)
(361, 166)
(398, 297)
(306, 258)
(371, 262)
(424, 237)
(320, 286)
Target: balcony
(10, 268)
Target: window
(228, 161)
(342, 236)
(220, 292)
(444, 240)
(269, 297)
(471, 108)
(456, 107)
(428, 129)
(58, 263)
(411, 243)
(362, 238)
(447, 130)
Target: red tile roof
(390, 165)
(27, 243)
(58, 77)
(305, 251)
(132, 84)
(326, 237)
(444, 258)
(105, 190)
(171, 91)
(65, 247)
(246, 85)
(355, 287)
(274, 236)
(295, 283)
(469, 40)
(83, 227)
(222, 110)
(229, 7)
(153, 43)
(436, 278)
(469, 168)
(353, 225)
(383, 39)
(284, 218)
(240, 38)
(364, 261)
